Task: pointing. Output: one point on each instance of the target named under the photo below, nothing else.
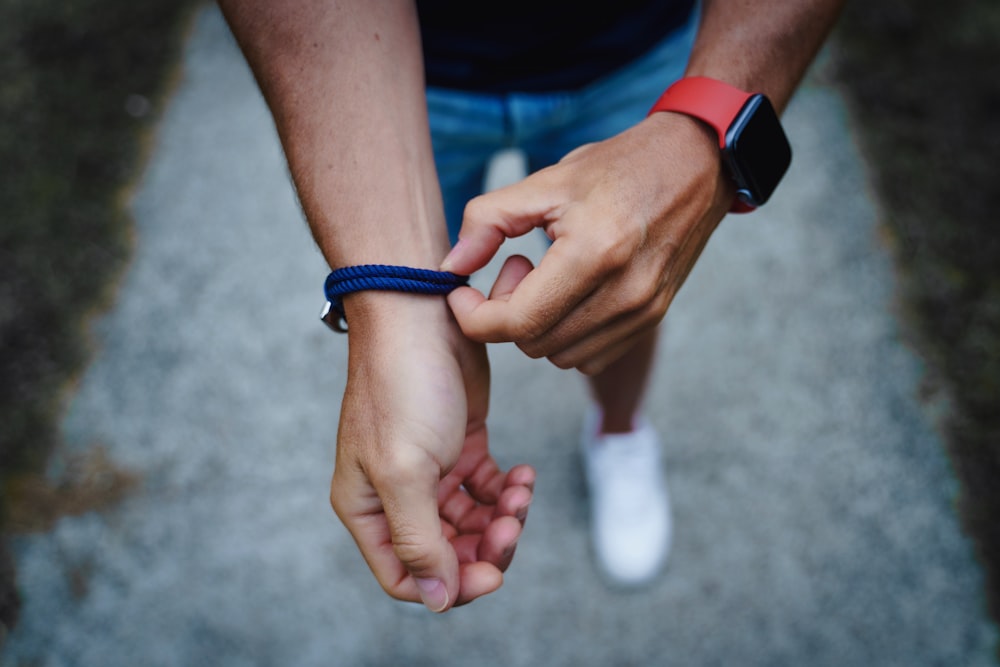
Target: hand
(435, 518)
(628, 218)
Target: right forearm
(344, 82)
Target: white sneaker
(629, 505)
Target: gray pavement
(813, 502)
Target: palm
(426, 438)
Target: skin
(628, 216)
(435, 518)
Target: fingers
(597, 329)
(522, 475)
(526, 302)
(488, 530)
(468, 515)
(396, 526)
(492, 218)
(484, 558)
(478, 579)
(593, 363)
(514, 270)
(442, 547)
(470, 511)
(591, 350)
(523, 299)
(525, 305)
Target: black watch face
(757, 150)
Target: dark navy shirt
(539, 45)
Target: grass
(80, 84)
(923, 80)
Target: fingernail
(448, 262)
(433, 594)
(522, 514)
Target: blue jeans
(468, 129)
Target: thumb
(411, 511)
(496, 216)
(393, 517)
(511, 274)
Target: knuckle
(528, 327)
(398, 467)
(610, 250)
(474, 210)
(531, 350)
(476, 332)
(640, 295)
(393, 591)
(336, 503)
(657, 308)
(413, 551)
(561, 361)
(484, 215)
(617, 249)
(591, 367)
(340, 496)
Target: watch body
(753, 144)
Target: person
(382, 106)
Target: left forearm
(761, 45)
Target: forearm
(761, 45)
(344, 82)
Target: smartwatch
(754, 146)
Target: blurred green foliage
(923, 80)
(79, 83)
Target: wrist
(380, 315)
(697, 146)
(381, 277)
(753, 144)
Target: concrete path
(813, 501)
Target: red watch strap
(712, 101)
(708, 100)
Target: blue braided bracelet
(381, 277)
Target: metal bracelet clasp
(332, 318)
